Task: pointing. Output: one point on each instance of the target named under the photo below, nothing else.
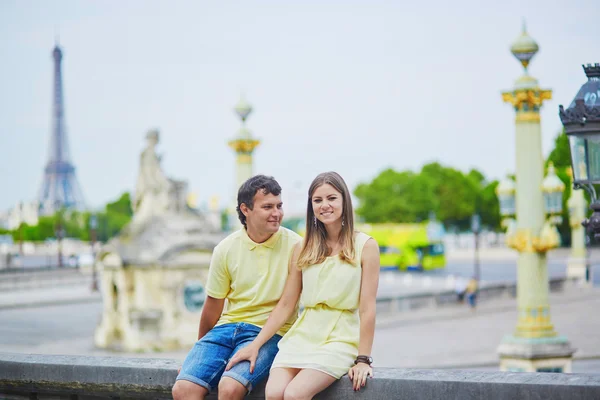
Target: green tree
(490, 207)
(560, 155)
(456, 194)
(116, 215)
(121, 206)
(394, 197)
(76, 224)
(476, 176)
(409, 197)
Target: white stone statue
(153, 188)
(153, 272)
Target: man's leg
(230, 389)
(241, 371)
(186, 390)
(204, 364)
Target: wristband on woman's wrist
(364, 359)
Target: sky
(351, 86)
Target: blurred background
(404, 100)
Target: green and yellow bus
(410, 247)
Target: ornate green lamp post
(534, 345)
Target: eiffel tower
(60, 188)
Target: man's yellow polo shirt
(251, 276)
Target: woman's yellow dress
(325, 335)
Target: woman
(336, 272)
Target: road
(453, 337)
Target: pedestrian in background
(471, 292)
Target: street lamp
(534, 345)
(59, 231)
(506, 197)
(553, 189)
(60, 234)
(506, 192)
(552, 192)
(582, 125)
(93, 226)
(578, 262)
(476, 229)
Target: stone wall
(48, 377)
(433, 299)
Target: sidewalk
(459, 337)
(48, 296)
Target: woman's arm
(368, 296)
(366, 310)
(279, 316)
(286, 304)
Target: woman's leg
(279, 378)
(306, 384)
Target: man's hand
(358, 375)
(249, 353)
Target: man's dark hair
(267, 184)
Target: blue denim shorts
(206, 361)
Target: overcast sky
(350, 86)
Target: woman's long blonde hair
(315, 249)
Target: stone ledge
(391, 304)
(25, 376)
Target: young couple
(263, 270)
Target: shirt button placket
(262, 260)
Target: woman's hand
(358, 374)
(249, 353)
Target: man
(249, 269)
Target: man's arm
(218, 285)
(211, 312)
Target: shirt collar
(269, 243)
